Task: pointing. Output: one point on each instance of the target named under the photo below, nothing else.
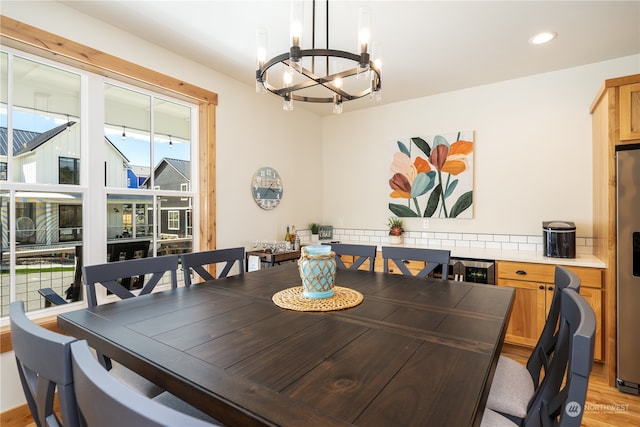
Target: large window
(55, 173)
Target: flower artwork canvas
(433, 176)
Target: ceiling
(430, 47)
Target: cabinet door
(528, 313)
(630, 112)
(594, 298)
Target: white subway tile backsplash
(534, 239)
(409, 241)
(526, 246)
(584, 245)
(518, 239)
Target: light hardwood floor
(605, 405)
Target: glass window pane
(128, 133)
(48, 234)
(129, 217)
(46, 123)
(5, 279)
(172, 144)
(4, 88)
(175, 234)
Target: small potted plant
(315, 229)
(395, 230)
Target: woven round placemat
(294, 299)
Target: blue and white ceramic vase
(317, 266)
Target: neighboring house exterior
(175, 212)
(137, 175)
(51, 218)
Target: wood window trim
(26, 38)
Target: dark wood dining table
(415, 352)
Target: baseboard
(19, 416)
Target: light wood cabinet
(630, 112)
(534, 285)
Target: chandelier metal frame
(293, 58)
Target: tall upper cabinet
(630, 112)
(615, 120)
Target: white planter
(315, 238)
(395, 240)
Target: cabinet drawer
(545, 273)
(526, 271)
(414, 266)
(589, 277)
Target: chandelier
(320, 75)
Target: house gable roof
(183, 167)
(25, 141)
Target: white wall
(533, 152)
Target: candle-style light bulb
(337, 104)
(261, 57)
(287, 104)
(287, 76)
(335, 69)
(364, 35)
(297, 16)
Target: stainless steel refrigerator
(628, 267)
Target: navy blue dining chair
(103, 401)
(44, 367)
(194, 263)
(515, 384)
(360, 253)
(434, 258)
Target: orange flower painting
(436, 175)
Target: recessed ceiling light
(543, 38)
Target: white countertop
(581, 260)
